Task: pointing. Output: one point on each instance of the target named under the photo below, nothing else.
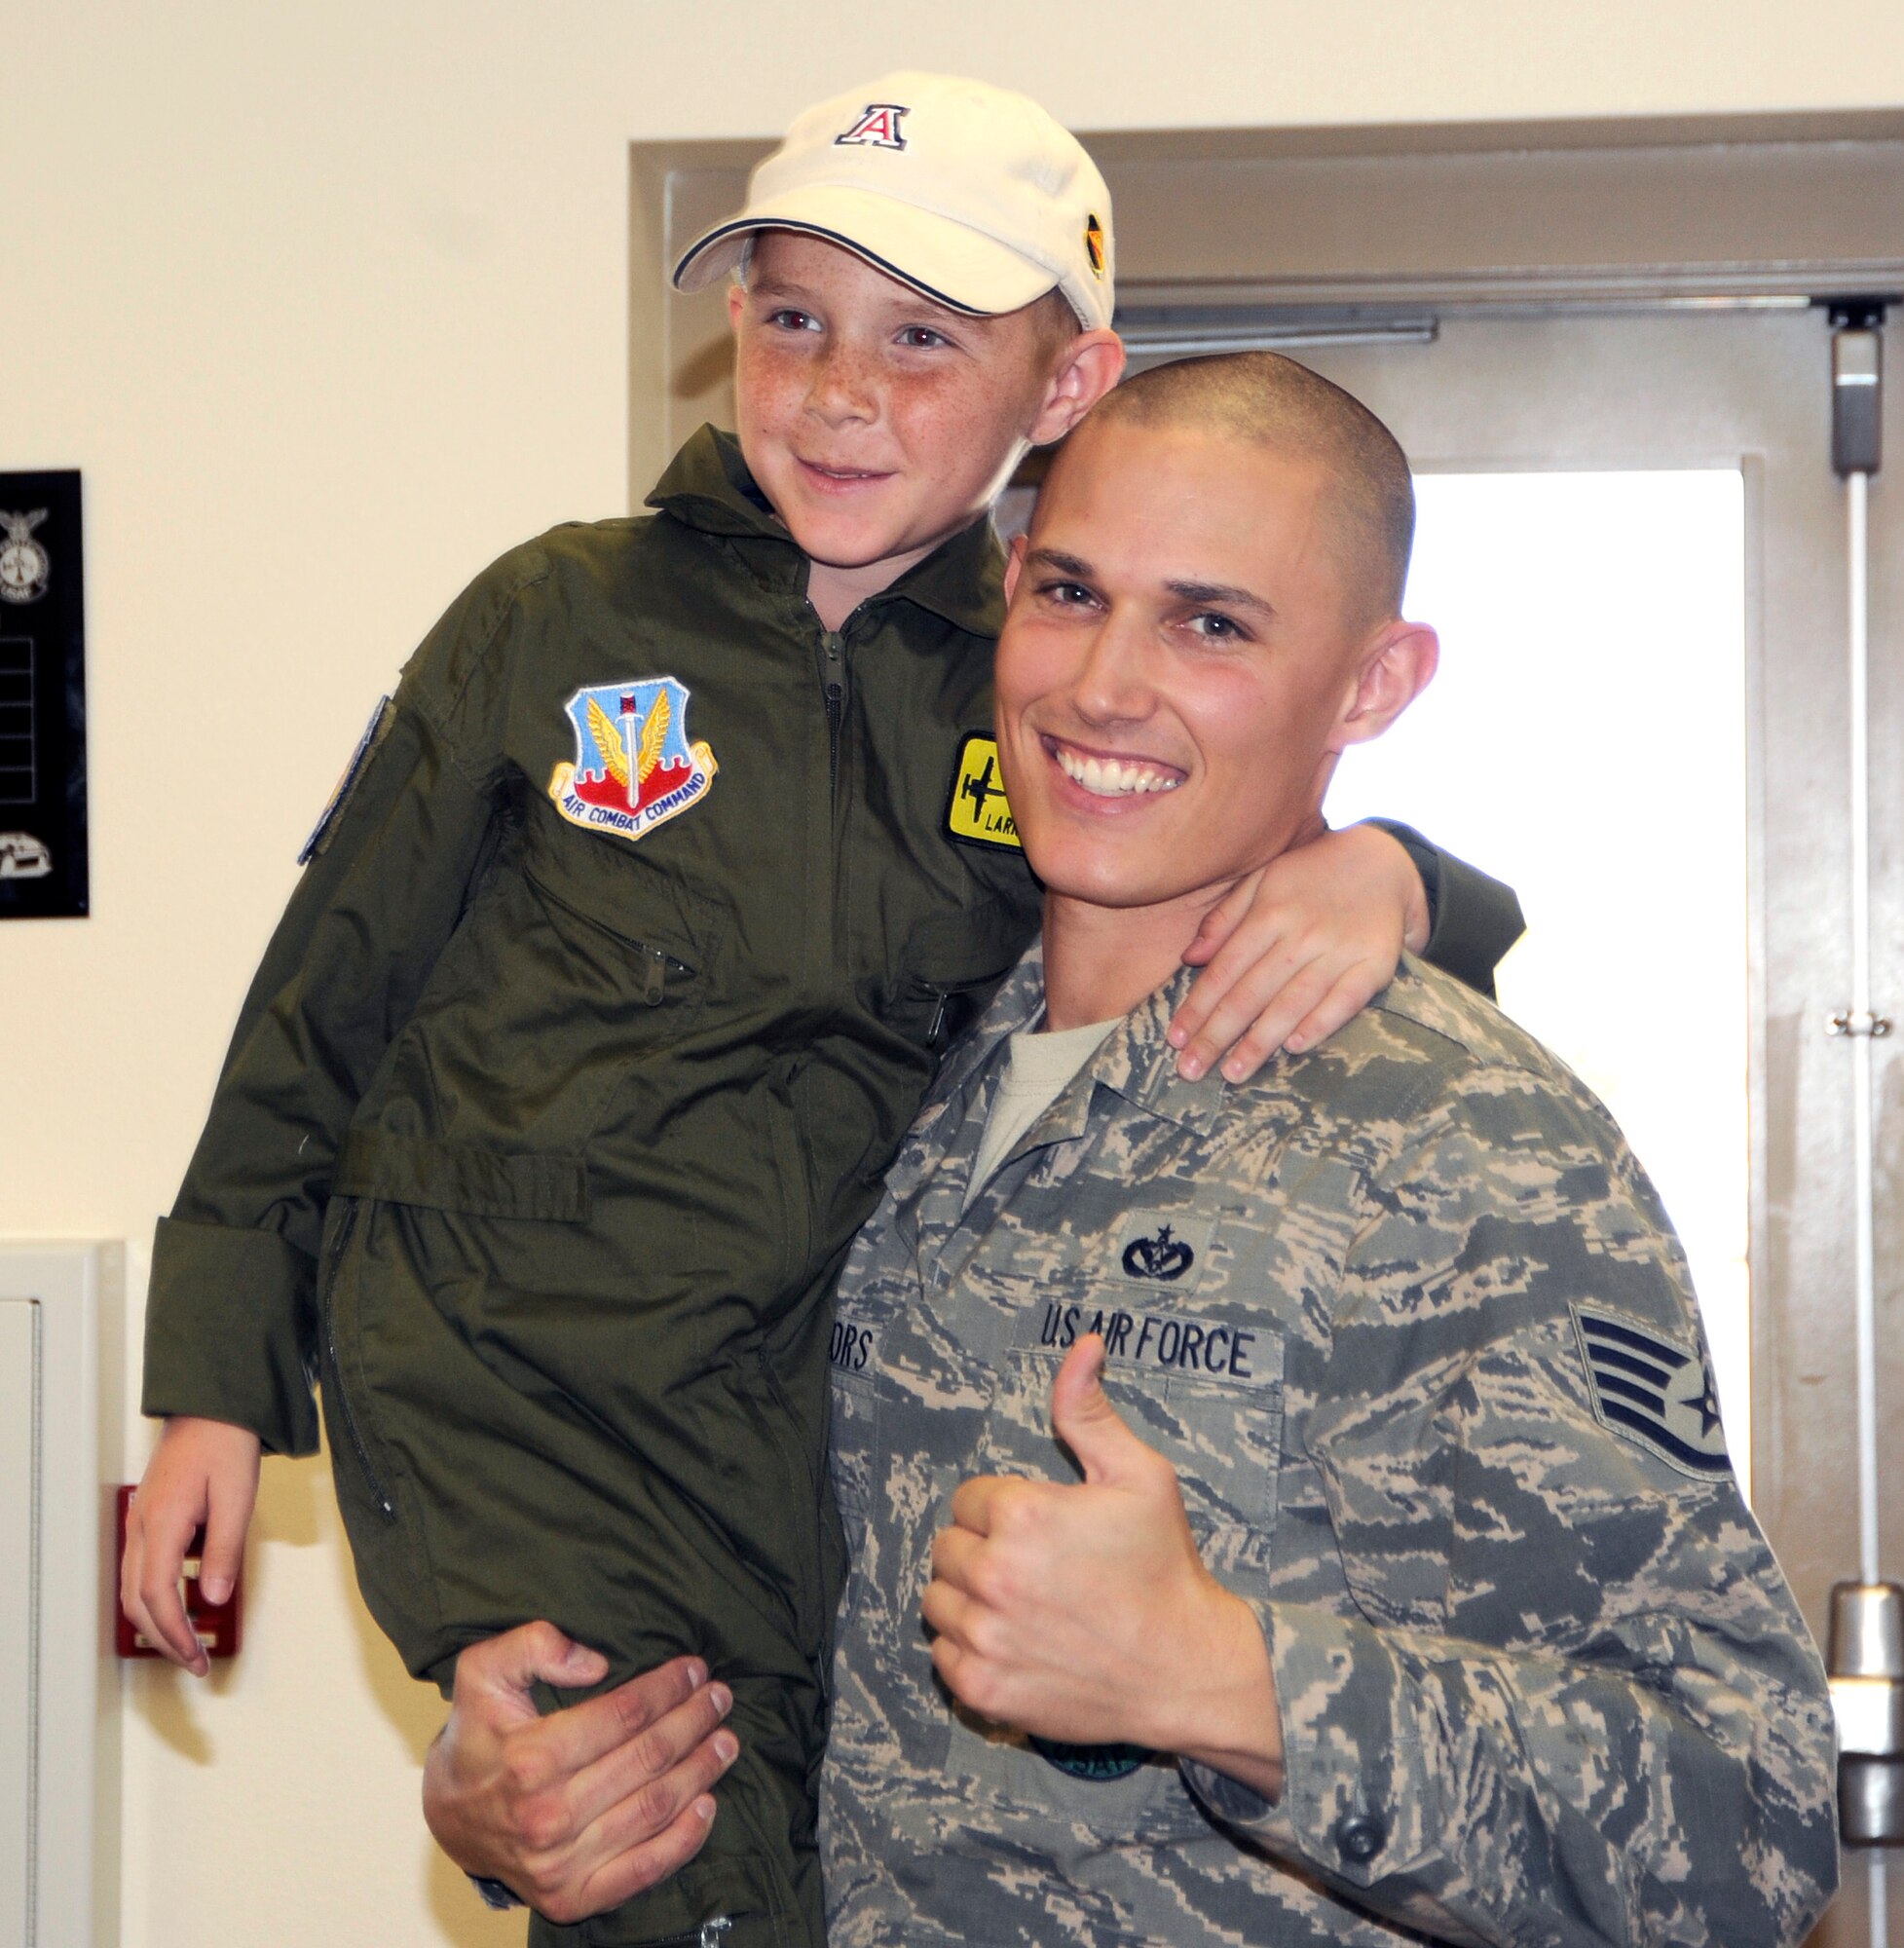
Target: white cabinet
(60, 1310)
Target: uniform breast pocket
(887, 1515)
(1204, 1389)
(626, 925)
(950, 966)
(573, 966)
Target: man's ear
(736, 303)
(1396, 668)
(1092, 365)
(1015, 564)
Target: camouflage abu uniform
(1409, 1321)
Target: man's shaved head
(1265, 397)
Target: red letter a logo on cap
(877, 128)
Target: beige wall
(329, 304)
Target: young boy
(617, 971)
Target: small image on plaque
(43, 857)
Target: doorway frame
(1504, 220)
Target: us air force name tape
(1163, 1342)
(1160, 1342)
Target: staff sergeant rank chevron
(1652, 1392)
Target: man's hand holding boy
(580, 1810)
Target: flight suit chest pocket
(949, 968)
(1201, 1388)
(669, 931)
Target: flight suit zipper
(822, 920)
(654, 974)
(706, 1936)
(834, 681)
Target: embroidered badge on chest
(1162, 1248)
(1652, 1392)
(634, 767)
(1099, 1764)
(977, 813)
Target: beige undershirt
(1040, 1065)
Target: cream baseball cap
(971, 194)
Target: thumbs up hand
(1082, 1611)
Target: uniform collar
(707, 486)
(1139, 1063)
(1135, 1060)
(1018, 1003)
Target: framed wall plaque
(43, 863)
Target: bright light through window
(1586, 742)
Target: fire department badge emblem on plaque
(634, 767)
(25, 567)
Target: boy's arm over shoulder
(1472, 919)
(1298, 947)
(230, 1314)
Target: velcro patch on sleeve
(1654, 1393)
(340, 797)
(976, 812)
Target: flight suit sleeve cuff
(1357, 1802)
(1472, 919)
(223, 1335)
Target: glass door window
(1584, 740)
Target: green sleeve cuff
(229, 1324)
(1472, 919)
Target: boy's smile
(877, 423)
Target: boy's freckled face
(1175, 665)
(875, 422)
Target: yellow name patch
(977, 812)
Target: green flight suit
(539, 1147)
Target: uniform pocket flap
(978, 944)
(461, 1176)
(609, 884)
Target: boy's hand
(581, 1809)
(202, 1472)
(1294, 951)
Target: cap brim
(970, 272)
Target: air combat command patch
(1652, 1392)
(634, 767)
(977, 813)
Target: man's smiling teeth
(1112, 777)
